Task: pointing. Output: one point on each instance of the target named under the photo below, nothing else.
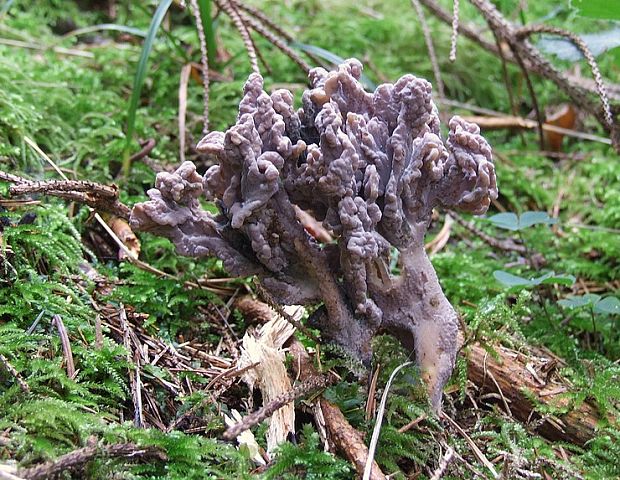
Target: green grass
(76, 110)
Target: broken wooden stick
(79, 458)
(95, 195)
(509, 121)
(346, 438)
(516, 378)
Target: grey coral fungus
(371, 167)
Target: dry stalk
(268, 299)
(66, 344)
(183, 81)
(378, 422)
(134, 373)
(531, 57)
(443, 465)
(98, 196)
(204, 61)
(507, 82)
(530, 88)
(475, 449)
(229, 8)
(275, 41)
(428, 39)
(507, 245)
(455, 30)
(346, 438)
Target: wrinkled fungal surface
(371, 167)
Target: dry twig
(524, 32)
(455, 30)
(299, 391)
(443, 465)
(134, 373)
(268, 299)
(344, 436)
(236, 17)
(428, 39)
(14, 373)
(507, 244)
(79, 458)
(98, 196)
(533, 61)
(275, 41)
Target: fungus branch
(371, 167)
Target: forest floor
(132, 365)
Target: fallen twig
(477, 452)
(507, 245)
(368, 467)
(79, 458)
(134, 373)
(299, 391)
(147, 147)
(14, 373)
(98, 196)
(412, 423)
(533, 61)
(267, 298)
(508, 121)
(526, 31)
(344, 436)
(518, 378)
(443, 465)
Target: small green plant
(606, 305)
(518, 223)
(515, 281)
(307, 460)
(138, 81)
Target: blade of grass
(139, 77)
(331, 58)
(209, 28)
(105, 26)
(5, 8)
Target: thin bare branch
(183, 81)
(79, 458)
(275, 41)
(299, 391)
(98, 196)
(14, 373)
(507, 245)
(530, 87)
(268, 299)
(268, 23)
(524, 32)
(578, 91)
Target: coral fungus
(371, 167)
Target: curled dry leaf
(124, 232)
